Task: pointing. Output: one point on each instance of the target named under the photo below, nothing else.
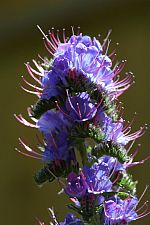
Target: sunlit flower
(78, 115)
(93, 180)
(118, 211)
(79, 108)
(80, 55)
(118, 132)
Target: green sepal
(43, 175)
(55, 170)
(75, 208)
(80, 84)
(95, 133)
(47, 64)
(121, 194)
(109, 194)
(111, 149)
(110, 106)
(99, 209)
(43, 105)
(126, 183)
(82, 131)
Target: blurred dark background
(20, 41)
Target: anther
(78, 32)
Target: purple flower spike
(88, 57)
(83, 55)
(85, 140)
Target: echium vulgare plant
(86, 143)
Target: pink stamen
(114, 167)
(118, 176)
(136, 134)
(30, 113)
(46, 46)
(53, 216)
(51, 46)
(117, 69)
(121, 90)
(57, 35)
(54, 142)
(105, 52)
(39, 67)
(131, 145)
(28, 148)
(69, 100)
(46, 38)
(136, 151)
(79, 111)
(31, 92)
(72, 73)
(64, 36)
(29, 69)
(78, 31)
(127, 131)
(31, 85)
(44, 60)
(112, 54)
(28, 155)
(122, 85)
(143, 215)
(52, 38)
(62, 110)
(25, 122)
(140, 162)
(143, 194)
(41, 223)
(145, 204)
(106, 39)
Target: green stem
(83, 154)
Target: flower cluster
(77, 113)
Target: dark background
(20, 41)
